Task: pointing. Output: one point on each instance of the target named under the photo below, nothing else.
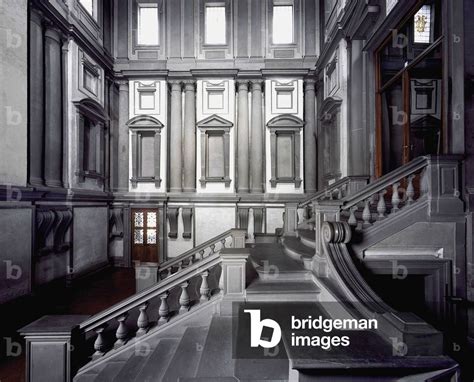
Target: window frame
(215, 5)
(95, 9)
(140, 5)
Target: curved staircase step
(296, 249)
(307, 237)
(276, 290)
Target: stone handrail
(337, 190)
(233, 238)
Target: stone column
(53, 115)
(256, 153)
(36, 105)
(175, 137)
(243, 137)
(123, 138)
(189, 136)
(310, 150)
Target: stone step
(307, 237)
(217, 359)
(210, 379)
(159, 360)
(187, 355)
(132, 366)
(276, 290)
(253, 370)
(297, 250)
(110, 371)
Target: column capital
(123, 85)
(309, 84)
(176, 85)
(242, 84)
(52, 31)
(37, 16)
(256, 84)
(189, 85)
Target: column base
(176, 190)
(257, 190)
(190, 190)
(36, 182)
(243, 190)
(53, 183)
(311, 191)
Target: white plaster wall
(269, 114)
(212, 220)
(228, 113)
(161, 113)
(274, 218)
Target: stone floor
(89, 295)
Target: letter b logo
(256, 329)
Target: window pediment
(144, 122)
(92, 109)
(214, 121)
(285, 121)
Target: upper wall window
(148, 30)
(283, 29)
(215, 24)
(422, 22)
(90, 6)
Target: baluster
(180, 266)
(395, 197)
(223, 243)
(164, 310)
(344, 190)
(204, 290)
(352, 218)
(381, 207)
(122, 331)
(213, 248)
(99, 343)
(142, 322)
(169, 272)
(366, 215)
(184, 297)
(201, 254)
(410, 189)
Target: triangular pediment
(214, 121)
(286, 120)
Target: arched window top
(143, 122)
(92, 109)
(285, 120)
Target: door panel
(145, 235)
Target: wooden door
(145, 235)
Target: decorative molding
(172, 215)
(187, 216)
(243, 215)
(258, 220)
(116, 223)
(51, 228)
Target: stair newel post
(410, 190)
(366, 215)
(184, 300)
(352, 218)
(142, 322)
(122, 331)
(395, 197)
(381, 207)
(204, 290)
(164, 310)
(100, 345)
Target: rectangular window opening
(215, 25)
(283, 29)
(148, 31)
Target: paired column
(256, 153)
(176, 159)
(53, 114)
(243, 137)
(123, 138)
(310, 149)
(189, 136)
(36, 107)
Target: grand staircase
(183, 328)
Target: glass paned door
(145, 235)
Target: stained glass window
(422, 30)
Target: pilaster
(176, 157)
(256, 153)
(189, 136)
(243, 137)
(310, 149)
